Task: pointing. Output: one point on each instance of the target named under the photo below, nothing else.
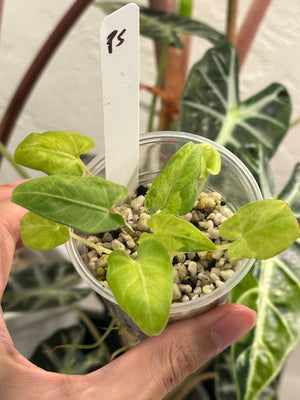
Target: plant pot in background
(236, 185)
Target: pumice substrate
(194, 274)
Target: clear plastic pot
(236, 185)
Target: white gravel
(195, 274)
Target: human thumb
(155, 366)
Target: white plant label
(119, 48)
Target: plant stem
(295, 123)
(9, 157)
(201, 187)
(119, 351)
(222, 247)
(90, 326)
(87, 322)
(175, 71)
(85, 168)
(160, 72)
(128, 229)
(90, 244)
(232, 11)
(186, 8)
(87, 346)
(249, 28)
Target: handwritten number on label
(111, 37)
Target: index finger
(6, 190)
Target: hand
(147, 372)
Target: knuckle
(181, 361)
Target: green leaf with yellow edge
(177, 235)
(262, 229)
(145, 299)
(54, 152)
(174, 190)
(82, 203)
(210, 161)
(40, 233)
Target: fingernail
(233, 325)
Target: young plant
(66, 199)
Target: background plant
(257, 148)
(260, 229)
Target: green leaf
(42, 234)
(164, 27)
(42, 286)
(79, 202)
(225, 388)
(177, 235)
(68, 360)
(263, 173)
(260, 355)
(54, 152)
(143, 288)
(210, 161)
(174, 190)
(186, 8)
(211, 107)
(224, 385)
(262, 229)
(291, 192)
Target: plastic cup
(236, 185)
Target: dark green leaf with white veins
(291, 192)
(164, 27)
(262, 229)
(260, 356)
(224, 385)
(42, 234)
(177, 235)
(211, 107)
(143, 288)
(225, 388)
(54, 152)
(174, 190)
(42, 286)
(80, 203)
